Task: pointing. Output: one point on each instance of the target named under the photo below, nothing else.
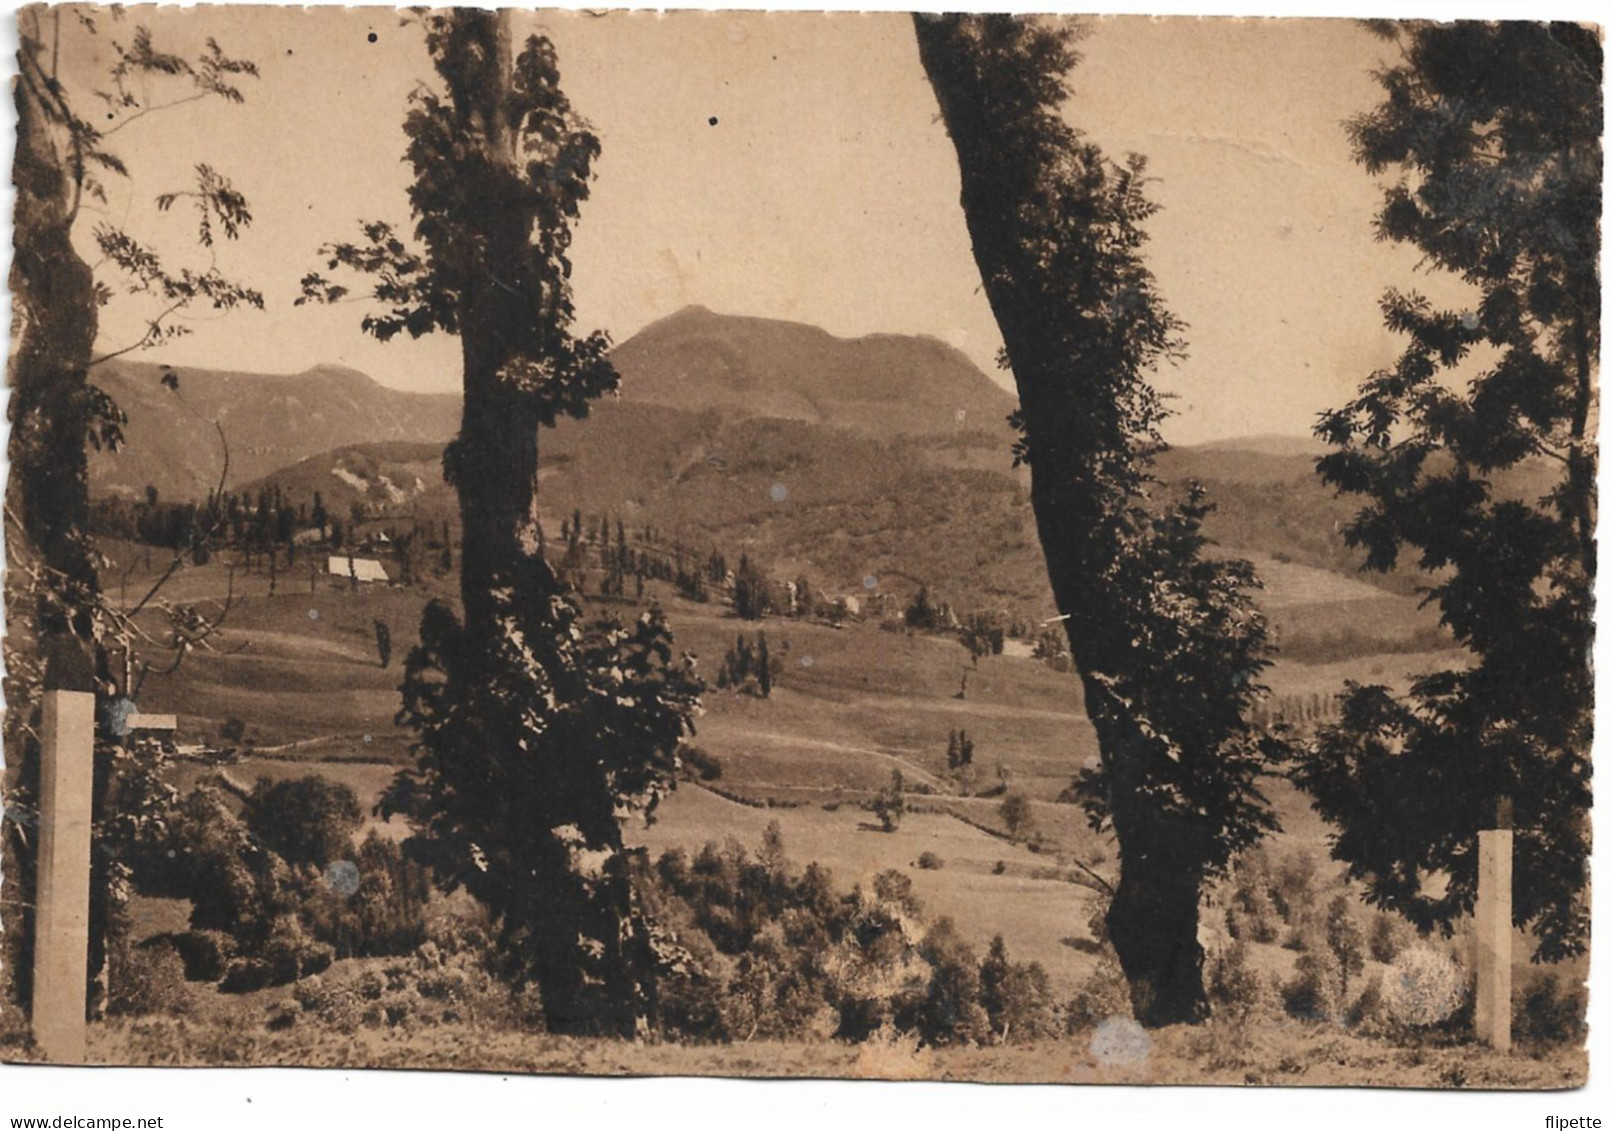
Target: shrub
(894, 887)
(999, 868)
(890, 804)
(1097, 921)
(1251, 914)
(290, 954)
(146, 979)
(243, 975)
(930, 862)
(1315, 991)
(1293, 887)
(1017, 996)
(1423, 987)
(950, 1012)
(1368, 1015)
(232, 882)
(206, 954)
(382, 914)
(698, 764)
(1547, 1013)
(341, 1008)
(1236, 990)
(1387, 936)
(1345, 941)
(1016, 814)
(1101, 995)
(306, 821)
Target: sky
(793, 166)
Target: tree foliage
(66, 158)
(1166, 640)
(539, 732)
(1474, 456)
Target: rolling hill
(881, 386)
(270, 420)
(840, 458)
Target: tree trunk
(1079, 448)
(576, 919)
(1153, 919)
(55, 311)
(54, 323)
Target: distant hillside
(270, 421)
(882, 386)
(801, 497)
(386, 477)
(884, 456)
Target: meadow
(850, 705)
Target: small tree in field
(1016, 814)
(982, 636)
(890, 803)
(1345, 939)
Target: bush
(206, 954)
(1097, 921)
(1251, 913)
(1016, 814)
(890, 804)
(1547, 1013)
(999, 868)
(341, 1008)
(306, 821)
(950, 1012)
(1387, 936)
(698, 764)
(1315, 992)
(290, 954)
(1017, 996)
(930, 862)
(1423, 987)
(244, 975)
(1101, 995)
(383, 915)
(1293, 888)
(1236, 990)
(146, 979)
(1345, 941)
(1368, 1015)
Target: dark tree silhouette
(1475, 453)
(1167, 643)
(536, 729)
(65, 160)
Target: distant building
(160, 730)
(157, 726)
(364, 569)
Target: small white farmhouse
(365, 569)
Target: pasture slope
(850, 706)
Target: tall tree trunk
(55, 307)
(54, 321)
(1082, 453)
(577, 912)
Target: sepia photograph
(985, 547)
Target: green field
(851, 705)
